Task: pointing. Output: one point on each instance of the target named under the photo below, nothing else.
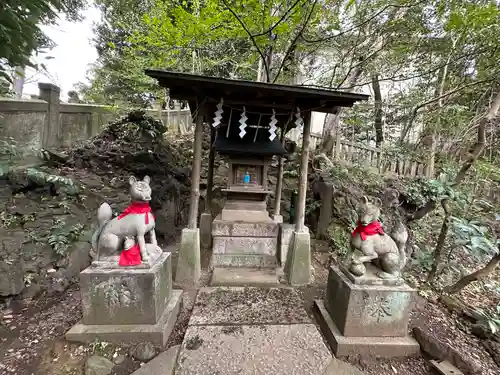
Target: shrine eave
(190, 87)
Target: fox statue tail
(104, 215)
(400, 237)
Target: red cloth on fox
(131, 257)
(368, 230)
(137, 208)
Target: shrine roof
(255, 142)
(190, 87)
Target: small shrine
(248, 122)
(247, 142)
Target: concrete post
(188, 269)
(298, 264)
(52, 132)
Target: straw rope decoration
(218, 114)
(243, 123)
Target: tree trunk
(439, 250)
(478, 148)
(476, 152)
(373, 46)
(379, 130)
(332, 128)
(474, 276)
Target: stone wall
(46, 122)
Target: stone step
(244, 277)
(245, 245)
(244, 260)
(163, 364)
(222, 228)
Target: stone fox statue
(132, 225)
(387, 251)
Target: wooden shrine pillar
(277, 217)
(206, 216)
(195, 174)
(304, 161)
(188, 269)
(298, 265)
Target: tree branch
(371, 18)
(252, 38)
(414, 114)
(285, 15)
(294, 42)
(479, 146)
(476, 275)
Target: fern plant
(61, 237)
(9, 153)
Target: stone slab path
(251, 331)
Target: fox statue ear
(132, 180)
(365, 200)
(378, 202)
(146, 179)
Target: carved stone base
(341, 345)
(126, 295)
(125, 303)
(367, 310)
(366, 316)
(126, 334)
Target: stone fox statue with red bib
(125, 235)
(386, 251)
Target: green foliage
(474, 238)
(9, 153)
(422, 189)
(20, 33)
(339, 239)
(11, 159)
(491, 319)
(62, 236)
(424, 259)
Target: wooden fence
(385, 162)
(372, 157)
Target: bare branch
(371, 18)
(480, 143)
(294, 42)
(433, 100)
(283, 17)
(252, 38)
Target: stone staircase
(245, 252)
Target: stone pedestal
(127, 304)
(366, 315)
(244, 244)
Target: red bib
(131, 257)
(368, 230)
(137, 208)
